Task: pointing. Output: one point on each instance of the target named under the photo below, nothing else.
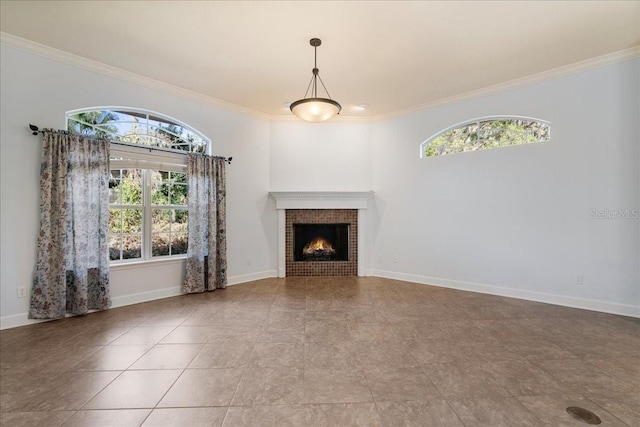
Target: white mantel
(321, 200)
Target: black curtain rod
(35, 130)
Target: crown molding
(555, 73)
(118, 73)
(29, 46)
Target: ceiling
(392, 56)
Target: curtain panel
(72, 268)
(207, 250)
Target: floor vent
(583, 415)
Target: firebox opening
(321, 242)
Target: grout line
(147, 417)
(455, 412)
(389, 293)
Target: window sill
(147, 263)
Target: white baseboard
(22, 319)
(147, 296)
(244, 278)
(564, 300)
(15, 320)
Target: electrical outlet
(579, 279)
(395, 259)
(22, 292)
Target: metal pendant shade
(315, 109)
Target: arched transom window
(137, 127)
(485, 133)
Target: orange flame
(318, 245)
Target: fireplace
(320, 242)
(320, 208)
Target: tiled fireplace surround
(321, 207)
(321, 268)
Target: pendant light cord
(315, 77)
(315, 71)
(325, 88)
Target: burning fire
(318, 245)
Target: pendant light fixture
(315, 109)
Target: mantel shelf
(322, 199)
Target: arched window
(485, 133)
(148, 215)
(138, 127)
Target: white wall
(517, 221)
(39, 91)
(329, 156)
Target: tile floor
(323, 352)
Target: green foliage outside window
(125, 214)
(169, 214)
(93, 123)
(482, 135)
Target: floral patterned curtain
(207, 250)
(72, 270)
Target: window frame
(478, 120)
(148, 158)
(147, 209)
(167, 207)
(121, 207)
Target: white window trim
(137, 263)
(147, 207)
(176, 162)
